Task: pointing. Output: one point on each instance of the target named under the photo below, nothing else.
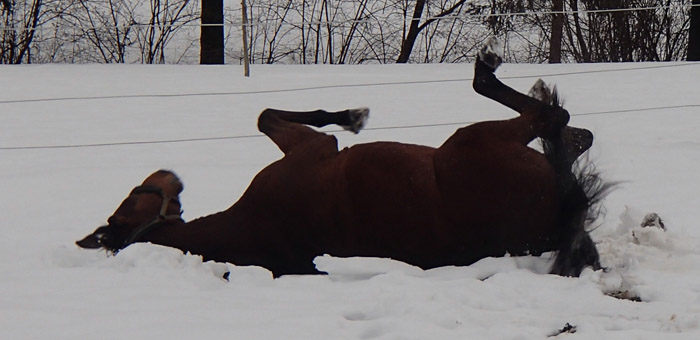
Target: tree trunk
(585, 53)
(416, 27)
(557, 30)
(212, 34)
(412, 35)
(694, 34)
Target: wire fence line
(233, 23)
(479, 16)
(337, 86)
(350, 32)
(322, 87)
(253, 22)
(253, 136)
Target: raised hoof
(358, 119)
(489, 55)
(557, 116)
(541, 91)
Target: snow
(53, 196)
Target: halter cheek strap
(150, 225)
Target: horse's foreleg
(288, 128)
(546, 118)
(486, 84)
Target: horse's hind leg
(288, 129)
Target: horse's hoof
(358, 119)
(489, 54)
(541, 91)
(653, 220)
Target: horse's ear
(167, 181)
(176, 183)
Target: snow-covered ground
(646, 118)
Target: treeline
(346, 31)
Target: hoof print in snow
(625, 295)
(653, 220)
(568, 328)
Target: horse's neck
(199, 236)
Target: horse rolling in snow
(483, 193)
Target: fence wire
(251, 136)
(253, 22)
(337, 86)
(397, 127)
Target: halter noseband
(148, 226)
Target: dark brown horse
(483, 193)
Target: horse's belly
(505, 197)
(384, 200)
(389, 204)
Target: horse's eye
(116, 220)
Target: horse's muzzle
(93, 241)
(89, 242)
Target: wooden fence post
(244, 29)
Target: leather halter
(152, 223)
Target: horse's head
(155, 200)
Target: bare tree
(346, 44)
(20, 22)
(348, 31)
(270, 37)
(557, 31)
(107, 26)
(159, 26)
(657, 31)
(415, 26)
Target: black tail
(580, 189)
